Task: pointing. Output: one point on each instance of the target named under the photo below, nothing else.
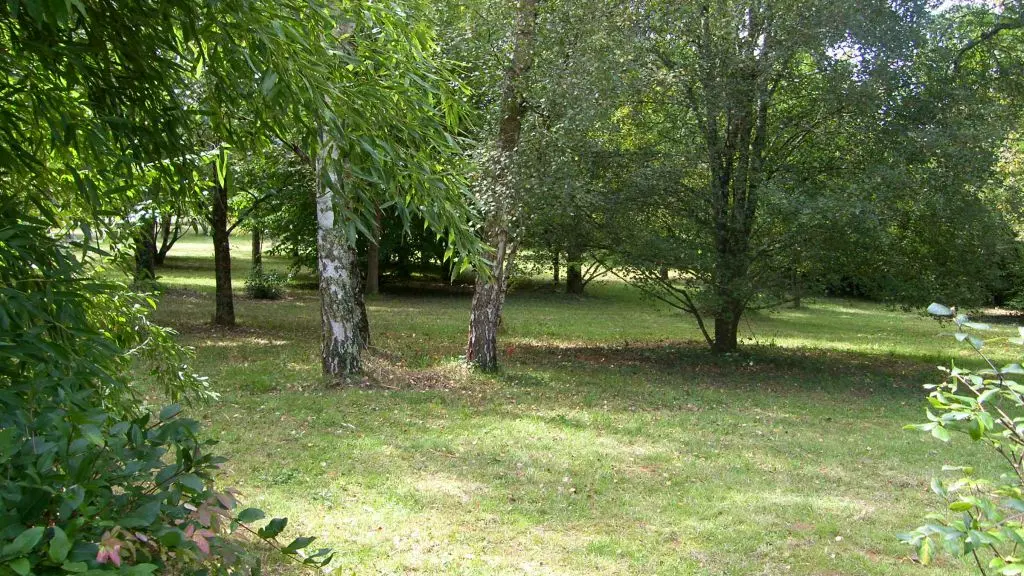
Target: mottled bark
(485, 312)
(345, 326)
(224, 313)
(489, 292)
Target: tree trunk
(145, 251)
(257, 247)
(555, 268)
(373, 259)
(345, 326)
(489, 292)
(224, 313)
(726, 329)
(663, 273)
(485, 313)
(573, 273)
(166, 240)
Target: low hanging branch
(674, 296)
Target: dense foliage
(93, 481)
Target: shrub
(983, 519)
(264, 285)
(93, 482)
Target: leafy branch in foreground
(984, 520)
(94, 483)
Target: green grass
(611, 443)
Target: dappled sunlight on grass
(611, 443)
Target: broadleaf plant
(984, 517)
(92, 481)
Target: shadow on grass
(769, 368)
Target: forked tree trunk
(489, 293)
(257, 247)
(224, 313)
(345, 326)
(373, 259)
(166, 240)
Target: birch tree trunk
(345, 326)
(489, 292)
(485, 312)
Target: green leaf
(960, 506)
(976, 342)
(144, 515)
(987, 394)
(192, 482)
(8, 443)
(25, 542)
(977, 325)
(941, 433)
(924, 551)
(75, 567)
(92, 433)
(936, 309)
(273, 528)
(170, 412)
(250, 515)
(298, 544)
(59, 545)
(20, 566)
(269, 80)
(138, 570)
(172, 538)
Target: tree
(394, 148)
(92, 105)
(731, 93)
(500, 198)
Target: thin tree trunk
(373, 259)
(573, 273)
(224, 313)
(345, 326)
(485, 313)
(166, 240)
(489, 292)
(555, 268)
(145, 251)
(257, 247)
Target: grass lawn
(611, 443)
